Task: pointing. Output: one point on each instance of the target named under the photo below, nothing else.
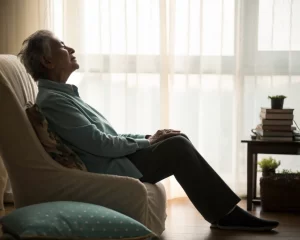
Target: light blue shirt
(87, 132)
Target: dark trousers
(177, 156)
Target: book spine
(275, 133)
(277, 122)
(279, 111)
(276, 116)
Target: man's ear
(47, 63)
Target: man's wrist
(143, 143)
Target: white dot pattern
(70, 219)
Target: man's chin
(75, 66)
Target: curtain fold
(205, 67)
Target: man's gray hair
(33, 49)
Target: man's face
(62, 59)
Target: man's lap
(158, 161)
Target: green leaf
(268, 164)
(277, 97)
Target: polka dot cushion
(72, 220)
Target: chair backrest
(22, 153)
(14, 75)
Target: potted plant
(277, 101)
(268, 166)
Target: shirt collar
(62, 87)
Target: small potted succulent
(268, 166)
(277, 101)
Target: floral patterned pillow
(51, 142)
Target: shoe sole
(261, 229)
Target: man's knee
(180, 141)
(185, 136)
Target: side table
(255, 147)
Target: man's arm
(72, 126)
(129, 135)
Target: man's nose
(71, 50)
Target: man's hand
(162, 135)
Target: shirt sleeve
(75, 128)
(134, 136)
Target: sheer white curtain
(202, 66)
(159, 64)
(271, 61)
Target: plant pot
(280, 192)
(267, 173)
(277, 103)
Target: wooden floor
(185, 223)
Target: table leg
(254, 175)
(249, 178)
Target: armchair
(36, 178)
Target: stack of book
(276, 124)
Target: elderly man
(148, 158)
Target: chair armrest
(123, 194)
